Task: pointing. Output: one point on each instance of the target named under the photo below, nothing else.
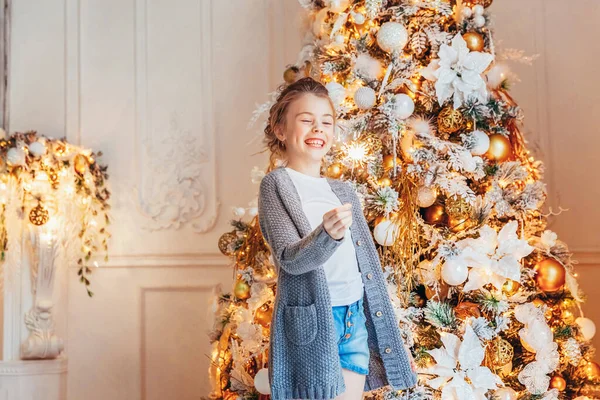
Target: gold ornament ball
(474, 41)
(592, 370)
(290, 74)
(550, 275)
(558, 382)
(458, 224)
(81, 164)
(385, 181)
(450, 120)
(264, 315)
(501, 352)
(39, 215)
(334, 170)
(435, 214)
(242, 290)
(510, 287)
(225, 240)
(388, 162)
(500, 148)
(442, 291)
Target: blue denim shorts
(352, 336)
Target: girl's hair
(278, 112)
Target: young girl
(333, 330)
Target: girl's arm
(295, 255)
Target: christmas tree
(485, 296)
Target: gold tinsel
(403, 255)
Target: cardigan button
(388, 350)
(358, 242)
(379, 313)
(369, 276)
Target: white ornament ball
(478, 9)
(426, 196)
(479, 21)
(482, 143)
(454, 272)
(238, 212)
(496, 75)
(364, 98)
(15, 156)
(392, 36)
(337, 92)
(385, 232)
(466, 12)
(505, 393)
(253, 212)
(261, 381)
(37, 149)
(587, 327)
(339, 39)
(359, 18)
(338, 6)
(405, 106)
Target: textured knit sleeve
(296, 255)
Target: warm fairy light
(356, 152)
(69, 190)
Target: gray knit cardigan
(303, 356)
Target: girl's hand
(337, 221)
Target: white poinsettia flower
(460, 72)
(459, 360)
(493, 257)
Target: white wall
(135, 78)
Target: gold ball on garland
(474, 41)
(500, 148)
(388, 162)
(467, 309)
(39, 215)
(450, 120)
(263, 315)
(558, 382)
(550, 276)
(510, 287)
(242, 289)
(334, 170)
(385, 181)
(80, 163)
(290, 74)
(435, 214)
(592, 370)
(225, 240)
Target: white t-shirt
(341, 269)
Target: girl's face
(308, 131)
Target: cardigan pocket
(300, 324)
